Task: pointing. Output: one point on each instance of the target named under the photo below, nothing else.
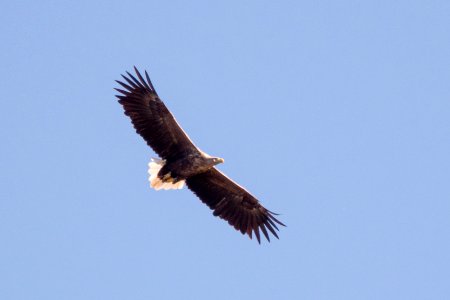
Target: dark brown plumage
(184, 162)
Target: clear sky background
(335, 114)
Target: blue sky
(335, 114)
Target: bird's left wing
(151, 118)
(233, 203)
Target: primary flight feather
(181, 162)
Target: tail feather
(154, 166)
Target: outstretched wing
(151, 118)
(233, 203)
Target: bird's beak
(221, 160)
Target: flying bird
(181, 162)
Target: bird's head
(216, 160)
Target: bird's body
(183, 163)
(188, 166)
(172, 174)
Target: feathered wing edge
(151, 118)
(234, 204)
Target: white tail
(155, 182)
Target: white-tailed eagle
(181, 162)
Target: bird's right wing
(233, 203)
(151, 118)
